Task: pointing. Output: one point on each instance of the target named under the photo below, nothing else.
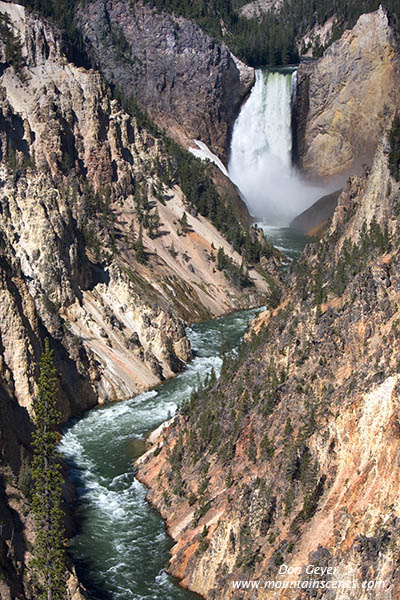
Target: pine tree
(140, 253)
(48, 553)
(184, 223)
(221, 259)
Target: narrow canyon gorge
(209, 241)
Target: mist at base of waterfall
(276, 195)
(261, 148)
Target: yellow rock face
(352, 98)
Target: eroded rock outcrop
(46, 133)
(189, 84)
(346, 99)
(259, 8)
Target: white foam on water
(121, 538)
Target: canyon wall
(288, 458)
(77, 173)
(190, 85)
(101, 252)
(346, 99)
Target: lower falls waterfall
(261, 152)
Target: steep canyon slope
(107, 248)
(110, 250)
(290, 458)
(102, 251)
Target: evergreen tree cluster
(238, 276)
(48, 563)
(191, 176)
(271, 40)
(98, 215)
(354, 258)
(147, 213)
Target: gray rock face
(258, 8)
(190, 85)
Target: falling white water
(261, 148)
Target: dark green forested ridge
(273, 40)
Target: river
(121, 548)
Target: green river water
(121, 548)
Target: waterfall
(261, 148)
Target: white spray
(261, 148)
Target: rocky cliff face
(315, 219)
(346, 99)
(95, 255)
(55, 120)
(76, 169)
(190, 85)
(287, 460)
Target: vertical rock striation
(346, 99)
(189, 84)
